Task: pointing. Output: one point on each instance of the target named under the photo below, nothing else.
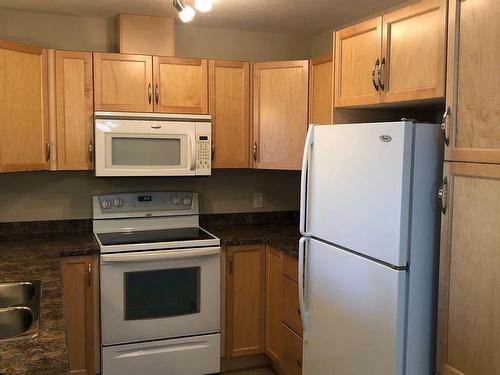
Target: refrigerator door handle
(302, 284)
(303, 180)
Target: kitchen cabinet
(245, 300)
(274, 304)
(80, 295)
(321, 90)
(469, 302)
(180, 85)
(74, 110)
(123, 82)
(291, 309)
(230, 110)
(24, 140)
(292, 352)
(280, 114)
(398, 57)
(473, 83)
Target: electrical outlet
(258, 200)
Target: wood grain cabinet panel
(245, 300)
(469, 298)
(75, 110)
(274, 304)
(292, 352)
(414, 52)
(123, 82)
(24, 140)
(280, 114)
(229, 107)
(181, 85)
(473, 81)
(291, 309)
(357, 50)
(80, 289)
(321, 90)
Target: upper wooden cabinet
(229, 107)
(74, 110)
(321, 90)
(180, 85)
(280, 113)
(469, 298)
(473, 82)
(24, 140)
(123, 82)
(399, 57)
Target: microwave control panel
(203, 149)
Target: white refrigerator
(369, 219)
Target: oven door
(159, 294)
(144, 148)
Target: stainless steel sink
(19, 310)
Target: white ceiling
(290, 16)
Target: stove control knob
(117, 202)
(176, 200)
(186, 201)
(105, 204)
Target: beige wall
(321, 44)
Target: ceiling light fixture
(203, 5)
(186, 12)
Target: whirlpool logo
(385, 138)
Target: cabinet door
(74, 110)
(274, 303)
(123, 82)
(280, 98)
(321, 91)
(245, 293)
(291, 308)
(181, 85)
(292, 352)
(473, 81)
(229, 107)
(80, 285)
(414, 52)
(357, 56)
(24, 141)
(469, 298)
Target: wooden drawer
(291, 268)
(291, 310)
(292, 352)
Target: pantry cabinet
(399, 57)
(74, 110)
(469, 302)
(321, 90)
(472, 124)
(80, 281)
(280, 114)
(230, 110)
(245, 300)
(24, 132)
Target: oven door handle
(152, 256)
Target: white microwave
(150, 144)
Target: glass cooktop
(152, 236)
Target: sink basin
(15, 294)
(16, 322)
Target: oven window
(162, 293)
(146, 151)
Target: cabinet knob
(254, 151)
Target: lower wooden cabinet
(245, 300)
(274, 303)
(292, 352)
(291, 309)
(80, 296)
(469, 285)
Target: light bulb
(186, 14)
(203, 5)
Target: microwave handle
(192, 144)
(153, 256)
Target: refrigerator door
(355, 311)
(358, 188)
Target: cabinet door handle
(91, 151)
(157, 94)
(444, 126)
(150, 93)
(443, 195)
(380, 71)
(254, 151)
(375, 68)
(299, 363)
(89, 275)
(47, 150)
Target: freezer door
(358, 188)
(355, 311)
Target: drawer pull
(298, 311)
(299, 363)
